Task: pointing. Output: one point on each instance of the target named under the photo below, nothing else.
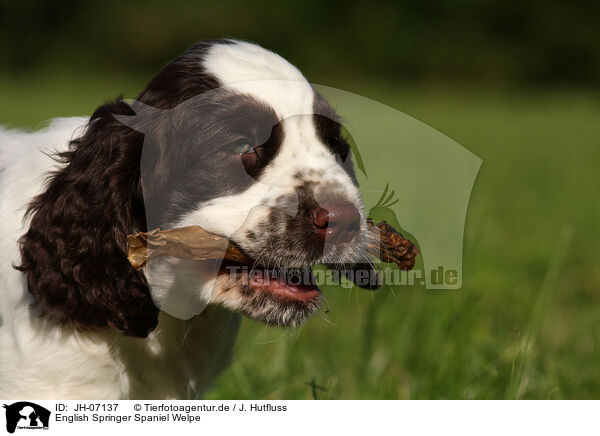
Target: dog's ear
(74, 252)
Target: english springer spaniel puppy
(228, 136)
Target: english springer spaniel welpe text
(228, 136)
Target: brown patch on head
(329, 130)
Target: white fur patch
(250, 69)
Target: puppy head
(259, 158)
(228, 136)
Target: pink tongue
(281, 288)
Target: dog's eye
(241, 147)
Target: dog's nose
(337, 222)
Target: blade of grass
(525, 343)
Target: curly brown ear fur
(74, 253)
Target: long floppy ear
(74, 252)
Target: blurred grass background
(515, 83)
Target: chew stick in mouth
(191, 242)
(393, 247)
(195, 243)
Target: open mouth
(287, 285)
(278, 296)
(281, 285)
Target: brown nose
(337, 222)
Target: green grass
(525, 324)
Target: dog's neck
(179, 359)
